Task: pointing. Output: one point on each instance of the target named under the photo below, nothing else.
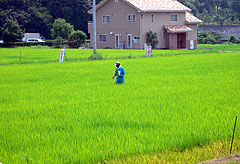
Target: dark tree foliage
(39, 15)
(215, 11)
(73, 11)
(11, 32)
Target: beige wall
(192, 35)
(160, 19)
(119, 23)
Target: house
(123, 24)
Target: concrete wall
(226, 30)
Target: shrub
(58, 43)
(77, 38)
(97, 56)
(212, 37)
(152, 39)
(234, 39)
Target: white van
(34, 40)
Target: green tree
(11, 31)
(78, 37)
(61, 29)
(151, 38)
(39, 20)
(73, 11)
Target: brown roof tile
(158, 5)
(152, 5)
(191, 19)
(177, 28)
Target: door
(129, 41)
(192, 44)
(117, 41)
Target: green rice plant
(74, 113)
(40, 55)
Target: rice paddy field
(74, 113)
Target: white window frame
(134, 18)
(100, 40)
(129, 41)
(171, 17)
(164, 34)
(117, 35)
(136, 40)
(106, 16)
(152, 18)
(129, 18)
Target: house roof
(152, 5)
(159, 5)
(191, 19)
(177, 28)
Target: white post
(94, 27)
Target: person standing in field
(120, 72)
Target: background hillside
(38, 16)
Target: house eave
(183, 31)
(164, 11)
(193, 23)
(100, 4)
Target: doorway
(181, 40)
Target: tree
(61, 29)
(39, 21)
(152, 38)
(11, 31)
(73, 11)
(78, 37)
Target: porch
(176, 36)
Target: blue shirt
(120, 72)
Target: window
(129, 17)
(134, 18)
(115, 0)
(117, 41)
(102, 38)
(106, 19)
(152, 18)
(129, 40)
(137, 39)
(164, 33)
(173, 18)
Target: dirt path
(235, 158)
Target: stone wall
(226, 30)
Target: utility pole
(94, 27)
